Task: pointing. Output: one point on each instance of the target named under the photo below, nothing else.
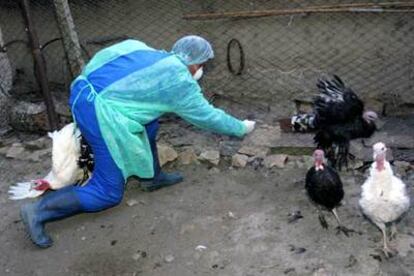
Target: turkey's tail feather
(331, 91)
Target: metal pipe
(39, 64)
(356, 7)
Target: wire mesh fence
(273, 59)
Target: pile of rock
(33, 150)
(266, 147)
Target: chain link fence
(269, 59)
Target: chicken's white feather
(65, 169)
(65, 154)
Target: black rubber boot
(53, 206)
(160, 179)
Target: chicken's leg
(340, 227)
(321, 217)
(387, 251)
(331, 155)
(342, 155)
(346, 154)
(393, 234)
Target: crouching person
(116, 103)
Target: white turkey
(384, 197)
(71, 161)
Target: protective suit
(116, 102)
(132, 84)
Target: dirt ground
(219, 221)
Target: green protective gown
(132, 84)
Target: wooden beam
(69, 36)
(396, 7)
(39, 63)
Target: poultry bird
(324, 188)
(72, 161)
(384, 196)
(338, 117)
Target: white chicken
(384, 197)
(66, 152)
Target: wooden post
(40, 66)
(6, 80)
(6, 77)
(69, 37)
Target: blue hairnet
(193, 49)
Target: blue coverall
(106, 186)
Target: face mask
(198, 74)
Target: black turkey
(338, 117)
(324, 188)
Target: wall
(284, 55)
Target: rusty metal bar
(40, 66)
(355, 7)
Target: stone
(187, 157)
(27, 116)
(136, 256)
(16, 151)
(239, 160)
(374, 105)
(307, 161)
(391, 140)
(211, 156)
(255, 162)
(304, 105)
(201, 247)
(263, 135)
(352, 261)
(254, 151)
(355, 164)
(37, 155)
(229, 148)
(4, 150)
(364, 153)
(379, 123)
(398, 104)
(166, 154)
(280, 142)
(357, 149)
(231, 215)
(169, 258)
(187, 228)
(276, 160)
(7, 141)
(40, 143)
(401, 167)
(60, 100)
(131, 202)
(214, 170)
(323, 272)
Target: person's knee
(94, 199)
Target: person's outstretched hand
(249, 125)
